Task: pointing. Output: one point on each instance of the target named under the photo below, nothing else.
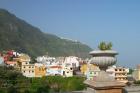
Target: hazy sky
(89, 21)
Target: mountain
(16, 34)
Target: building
(11, 63)
(21, 60)
(67, 71)
(92, 72)
(54, 70)
(46, 60)
(71, 61)
(28, 69)
(40, 70)
(136, 73)
(118, 73)
(83, 69)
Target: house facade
(118, 73)
(136, 73)
(54, 70)
(28, 69)
(40, 70)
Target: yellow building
(83, 69)
(86, 68)
(40, 70)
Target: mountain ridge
(21, 36)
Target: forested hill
(18, 35)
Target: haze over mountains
(19, 35)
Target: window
(120, 70)
(29, 66)
(23, 71)
(24, 66)
(32, 71)
(29, 71)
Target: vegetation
(13, 82)
(130, 71)
(18, 35)
(105, 46)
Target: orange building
(40, 70)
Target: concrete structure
(103, 87)
(121, 74)
(67, 71)
(118, 73)
(40, 70)
(84, 68)
(104, 83)
(136, 73)
(22, 59)
(132, 89)
(28, 69)
(46, 60)
(71, 61)
(54, 70)
(11, 63)
(92, 72)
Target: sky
(88, 21)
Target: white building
(54, 70)
(46, 60)
(67, 72)
(118, 73)
(71, 61)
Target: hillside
(18, 35)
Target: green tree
(105, 46)
(12, 89)
(130, 71)
(43, 89)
